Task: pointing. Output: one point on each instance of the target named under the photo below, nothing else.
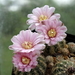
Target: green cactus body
(62, 68)
(71, 46)
(38, 70)
(59, 48)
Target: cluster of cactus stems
(64, 67)
(60, 59)
(55, 60)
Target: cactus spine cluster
(64, 67)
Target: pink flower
(25, 61)
(27, 41)
(41, 14)
(53, 31)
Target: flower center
(52, 33)
(43, 17)
(27, 45)
(25, 60)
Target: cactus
(71, 46)
(59, 48)
(64, 67)
(38, 70)
(60, 60)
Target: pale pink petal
(38, 40)
(27, 50)
(53, 18)
(39, 47)
(57, 16)
(32, 16)
(45, 9)
(42, 29)
(15, 47)
(63, 28)
(47, 41)
(21, 35)
(51, 11)
(58, 39)
(36, 11)
(27, 34)
(60, 23)
(32, 39)
(32, 27)
(53, 42)
(31, 21)
(15, 40)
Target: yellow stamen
(25, 60)
(27, 45)
(43, 17)
(52, 33)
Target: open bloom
(25, 61)
(39, 15)
(27, 41)
(53, 31)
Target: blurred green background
(13, 16)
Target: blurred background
(13, 16)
